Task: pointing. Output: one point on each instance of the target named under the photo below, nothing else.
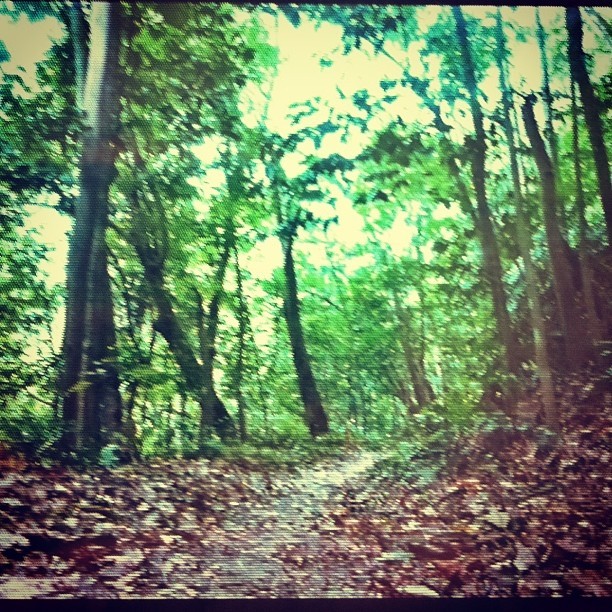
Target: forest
(304, 300)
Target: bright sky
(300, 78)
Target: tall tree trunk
(491, 265)
(594, 325)
(209, 322)
(242, 329)
(423, 392)
(547, 97)
(207, 331)
(199, 383)
(79, 35)
(89, 384)
(198, 377)
(591, 106)
(525, 245)
(492, 262)
(575, 343)
(549, 129)
(316, 418)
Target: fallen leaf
(419, 590)
(396, 556)
(499, 518)
(524, 558)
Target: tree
(591, 107)
(524, 239)
(575, 345)
(90, 384)
(492, 267)
(588, 289)
(547, 97)
(242, 330)
(422, 389)
(316, 418)
(163, 117)
(197, 377)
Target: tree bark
(492, 268)
(316, 418)
(594, 325)
(242, 329)
(221, 419)
(207, 331)
(571, 323)
(89, 384)
(525, 244)
(197, 378)
(591, 106)
(79, 34)
(549, 130)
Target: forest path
(505, 516)
(180, 528)
(289, 534)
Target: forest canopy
(264, 224)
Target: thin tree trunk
(79, 35)
(209, 322)
(591, 106)
(422, 389)
(89, 384)
(207, 331)
(525, 245)
(547, 97)
(575, 344)
(316, 418)
(213, 412)
(219, 414)
(242, 328)
(492, 262)
(594, 325)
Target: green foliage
(296, 454)
(109, 456)
(212, 449)
(28, 426)
(199, 78)
(428, 437)
(25, 301)
(286, 430)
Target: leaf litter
(502, 521)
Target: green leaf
(5, 56)
(292, 15)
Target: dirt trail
(511, 518)
(288, 537)
(179, 529)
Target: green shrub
(211, 449)
(286, 430)
(28, 426)
(109, 456)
